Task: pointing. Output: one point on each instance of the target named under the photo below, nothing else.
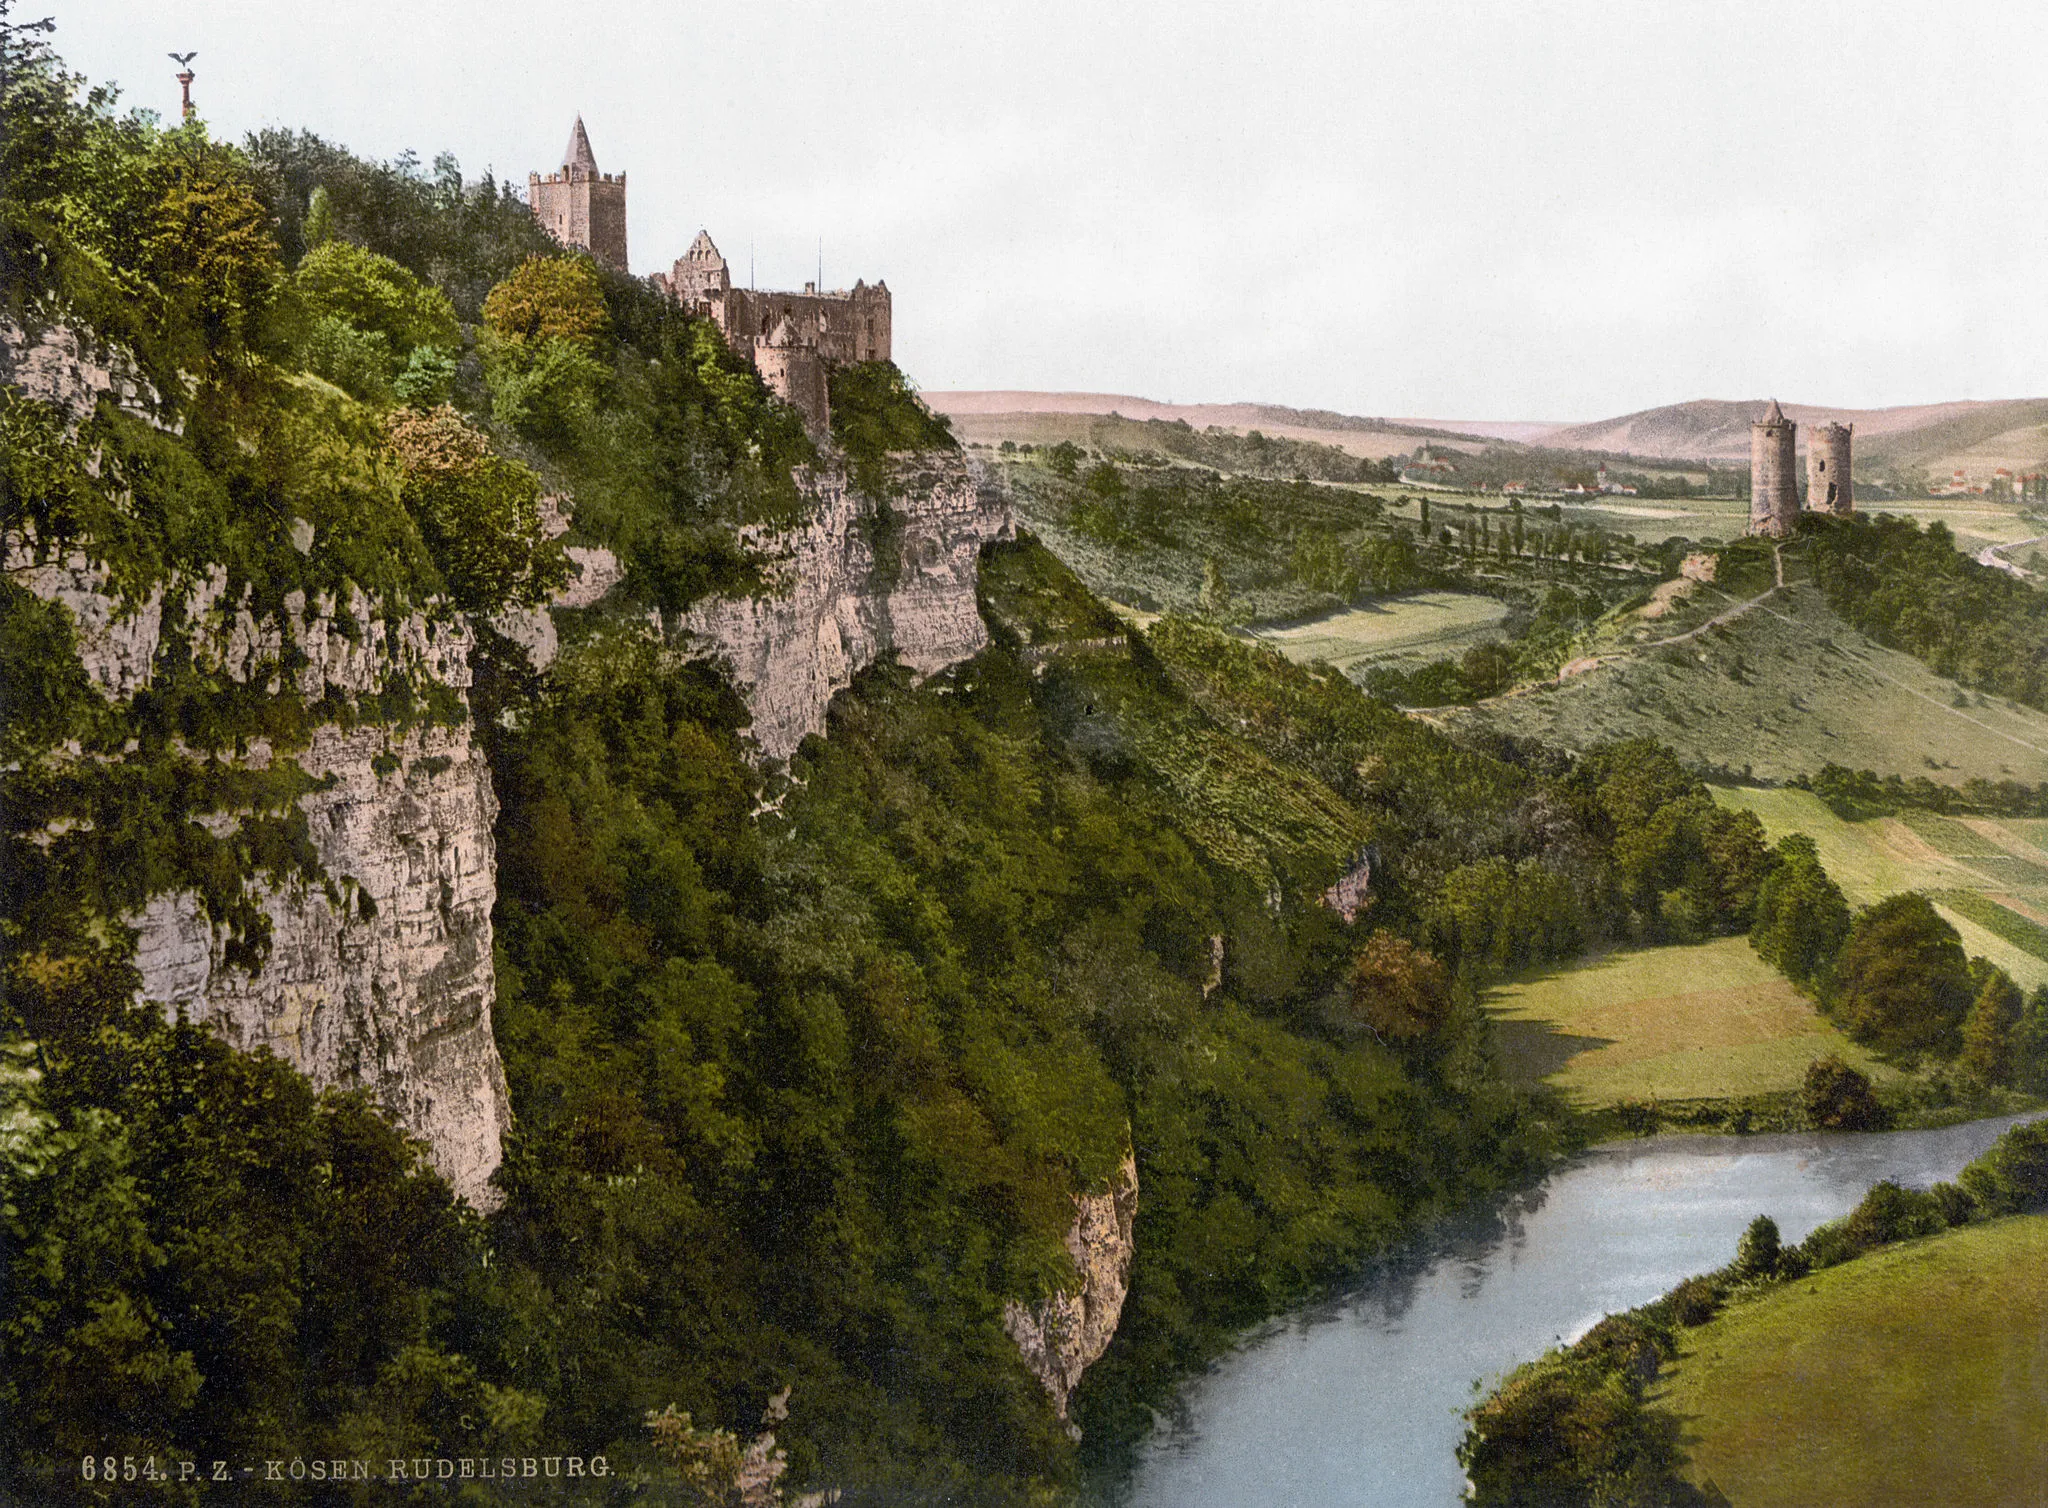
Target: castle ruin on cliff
(792, 339)
(1774, 504)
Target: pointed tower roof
(578, 153)
(1774, 414)
(784, 334)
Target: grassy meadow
(1413, 626)
(1989, 878)
(1915, 1375)
(1778, 691)
(1695, 1021)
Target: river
(1356, 1402)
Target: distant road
(1990, 555)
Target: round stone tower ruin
(1827, 470)
(1773, 474)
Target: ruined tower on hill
(579, 206)
(1827, 470)
(1773, 474)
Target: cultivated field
(1916, 1375)
(1700, 1021)
(1418, 626)
(1989, 878)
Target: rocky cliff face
(379, 975)
(1063, 1335)
(859, 579)
(379, 969)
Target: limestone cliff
(860, 578)
(378, 971)
(1061, 1336)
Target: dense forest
(806, 1064)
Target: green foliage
(207, 1260)
(556, 298)
(1836, 1097)
(1902, 984)
(479, 513)
(374, 295)
(1988, 1029)
(1801, 918)
(1759, 1252)
(1913, 590)
(2012, 1178)
(876, 413)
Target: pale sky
(1507, 209)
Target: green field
(1946, 857)
(1417, 626)
(1778, 691)
(1913, 1377)
(1699, 1021)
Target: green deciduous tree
(1902, 983)
(478, 511)
(1801, 917)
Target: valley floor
(1917, 1375)
(1699, 1021)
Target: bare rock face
(858, 579)
(59, 364)
(1061, 1336)
(379, 971)
(381, 978)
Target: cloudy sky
(1509, 209)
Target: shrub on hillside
(2012, 1177)
(478, 511)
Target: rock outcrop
(860, 578)
(380, 977)
(1061, 1336)
(378, 972)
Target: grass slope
(1699, 1021)
(1916, 1375)
(1414, 626)
(1779, 691)
(1942, 856)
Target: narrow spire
(577, 153)
(1774, 415)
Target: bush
(1759, 1252)
(2012, 1178)
(479, 512)
(1838, 1098)
(876, 413)
(1891, 1213)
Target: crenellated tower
(579, 206)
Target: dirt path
(1594, 662)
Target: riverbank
(1356, 1401)
(1885, 1358)
(1918, 1374)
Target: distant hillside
(998, 415)
(2006, 432)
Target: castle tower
(579, 206)
(1773, 474)
(1828, 489)
(789, 363)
